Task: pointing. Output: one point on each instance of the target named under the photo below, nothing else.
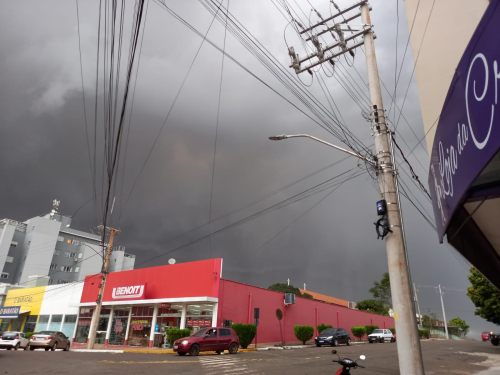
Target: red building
(139, 306)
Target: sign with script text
(468, 133)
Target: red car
(486, 335)
(213, 339)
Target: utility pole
(444, 315)
(418, 306)
(97, 311)
(408, 343)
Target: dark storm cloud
(332, 248)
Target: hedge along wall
(237, 302)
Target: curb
(287, 347)
(169, 351)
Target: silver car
(14, 340)
(49, 340)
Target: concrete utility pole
(408, 343)
(444, 315)
(97, 311)
(409, 351)
(418, 306)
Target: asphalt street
(441, 357)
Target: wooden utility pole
(97, 311)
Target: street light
(283, 136)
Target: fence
(442, 335)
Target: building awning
(150, 301)
(464, 172)
(24, 312)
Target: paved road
(441, 357)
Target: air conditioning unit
(352, 305)
(289, 299)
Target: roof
(325, 298)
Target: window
(60, 238)
(62, 282)
(51, 281)
(77, 269)
(224, 332)
(24, 258)
(53, 266)
(80, 255)
(5, 275)
(9, 259)
(55, 323)
(14, 244)
(66, 268)
(20, 273)
(57, 252)
(68, 254)
(43, 321)
(69, 240)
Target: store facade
(140, 306)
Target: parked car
(381, 335)
(213, 339)
(333, 337)
(49, 340)
(495, 338)
(486, 335)
(14, 340)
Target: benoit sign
(468, 132)
(134, 291)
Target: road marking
(141, 362)
(226, 366)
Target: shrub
(29, 334)
(245, 332)
(370, 329)
(424, 333)
(322, 327)
(393, 330)
(303, 333)
(358, 332)
(176, 334)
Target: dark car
(486, 335)
(495, 338)
(333, 337)
(213, 339)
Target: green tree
(382, 290)
(485, 296)
(429, 320)
(373, 306)
(358, 332)
(245, 332)
(285, 288)
(303, 333)
(457, 322)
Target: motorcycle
(347, 364)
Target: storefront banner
(133, 291)
(468, 133)
(10, 312)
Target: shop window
(83, 326)
(119, 326)
(43, 321)
(140, 326)
(55, 323)
(69, 325)
(30, 324)
(4, 326)
(199, 316)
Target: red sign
(166, 305)
(190, 322)
(162, 282)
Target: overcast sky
(332, 248)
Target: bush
(424, 333)
(322, 327)
(245, 332)
(29, 334)
(303, 333)
(393, 330)
(370, 329)
(176, 334)
(358, 332)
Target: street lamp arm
(280, 137)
